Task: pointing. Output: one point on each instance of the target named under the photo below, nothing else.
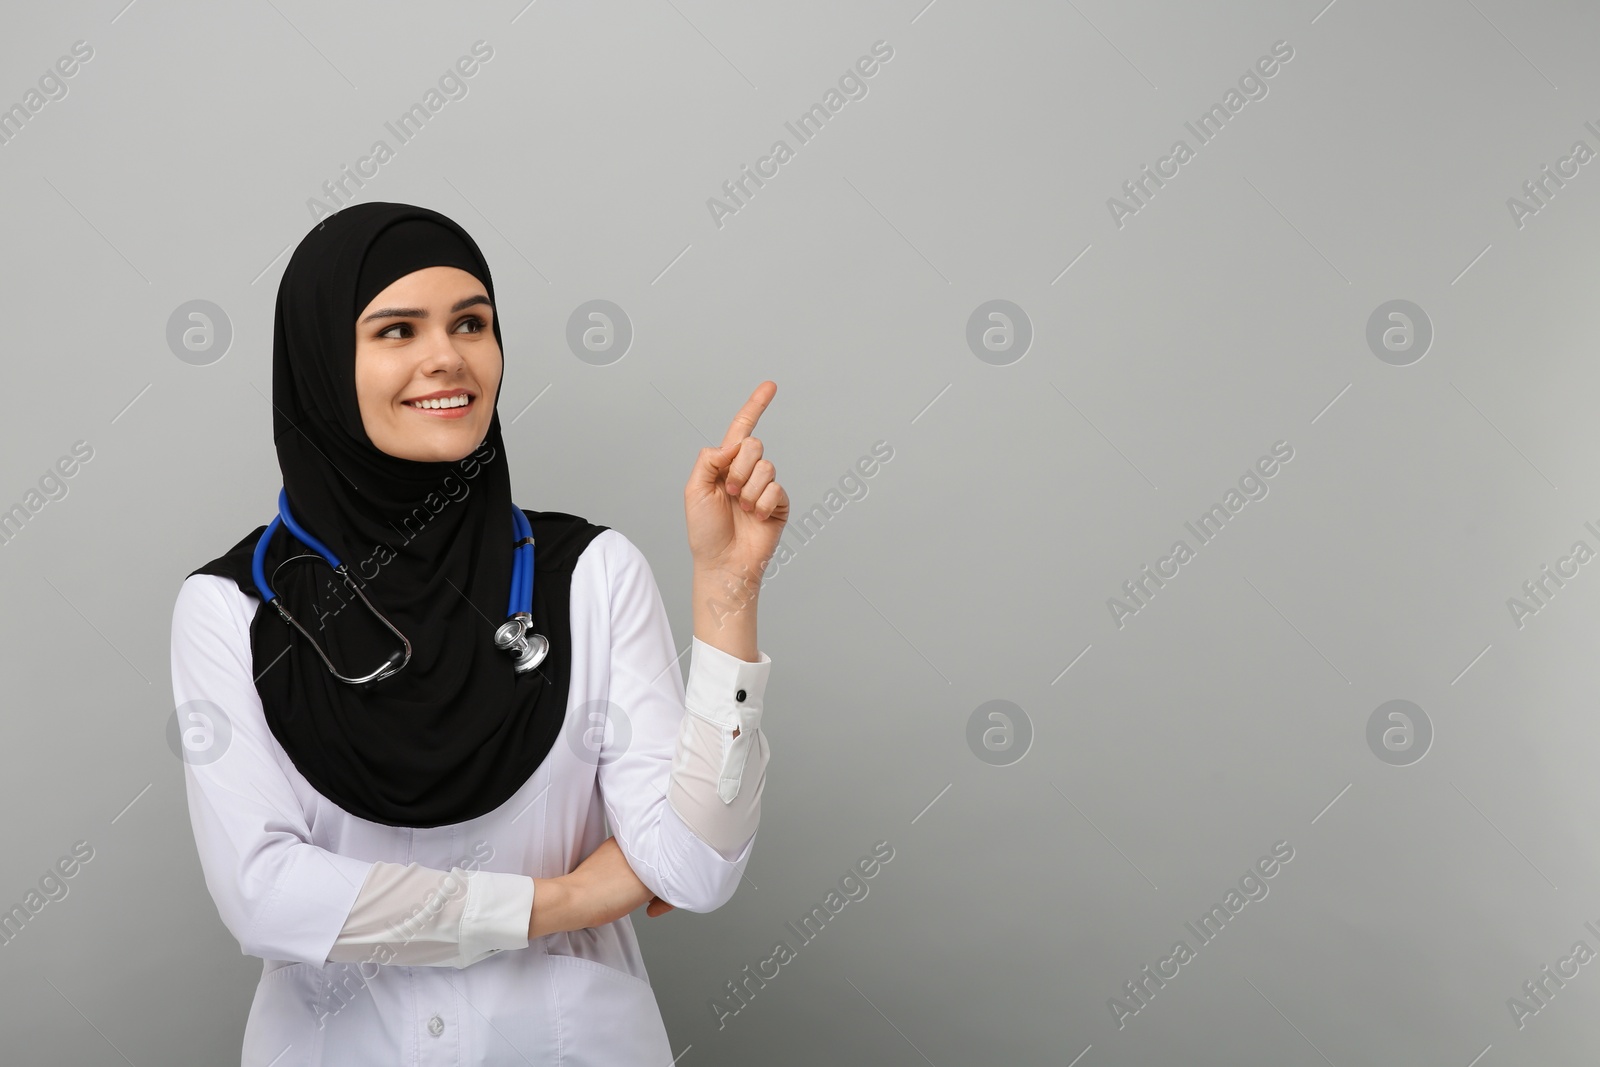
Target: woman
(401, 814)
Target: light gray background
(1228, 314)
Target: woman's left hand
(735, 508)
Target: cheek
(487, 367)
(366, 387)
(376, 384)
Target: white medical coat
(285, 865)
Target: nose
(441, 354)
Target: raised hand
(734, 506)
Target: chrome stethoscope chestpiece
(528, 650)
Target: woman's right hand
(602, 889)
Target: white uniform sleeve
(721, 765)
(690, 851)
(281, 896)
(423, 917)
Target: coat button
(435, 1026)
(739, 696)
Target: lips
(450, 407)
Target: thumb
(711, 464)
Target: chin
(437, 451)
(451, 455)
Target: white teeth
(447, 402)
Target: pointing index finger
(744, 422)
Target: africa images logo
(852, 86)
(852, 887)
(1252, 886)
(1141, 189)
(1141, 590)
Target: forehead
(430, 285)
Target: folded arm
(284, 897)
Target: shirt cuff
(727, 691)
(498, 909)
(704, 751)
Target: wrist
(741, 576)
(552, 903)
(724, 606)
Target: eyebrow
(422, 313)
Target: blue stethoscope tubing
(514, 635)
(527, 649)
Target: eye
(475, 321)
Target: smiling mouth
(450, 407)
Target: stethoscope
(514, 635)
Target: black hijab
(457, 731)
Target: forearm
(725, 611)
(552, 908)
(600, 890)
